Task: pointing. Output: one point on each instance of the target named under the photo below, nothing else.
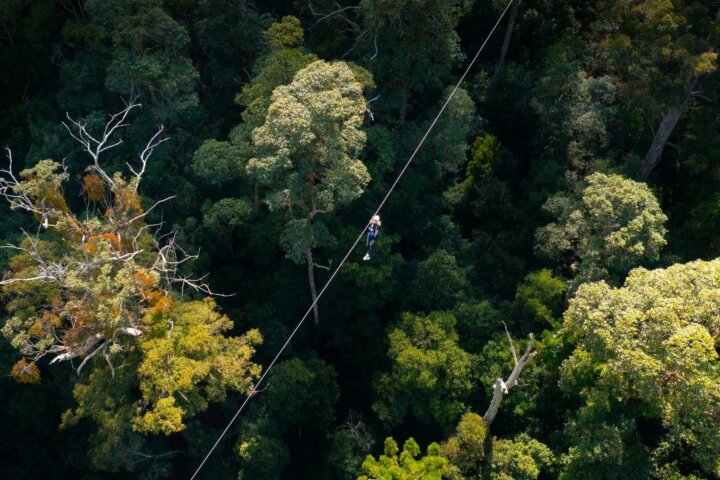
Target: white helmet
(376, 218)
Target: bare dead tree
(128, 227)
(503, 387)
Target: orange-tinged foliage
(161, 302)
(128, 198)
(25, 372)
(145, 281)
(93, 187)
(111, 238)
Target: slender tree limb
(512, 345)
(328, 267)
(87, 359)
(145, 155)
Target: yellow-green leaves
(187, 361)
(407, 465)
(287, 33)
(165, 417)
(466, 449)
(311, 133)
(705, 63)
(653, 343)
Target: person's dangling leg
(369, 249)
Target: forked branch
(503, 387)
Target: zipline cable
(357, 240)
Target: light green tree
(430, 377)
(645, 350)
(539, 301)
(466, 448)
(406, 465)
(522, 458)
(616, 225)
(307, 155)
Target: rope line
(352, 248)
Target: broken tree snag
(502, 387)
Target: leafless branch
(512, 345)
(30, 279)
(336, 12)
(142, 215)
(10, 189)
(95, 147)
(169, 258)
(47, 271)
(339, 12)
(702, 96)
(503, 387)
(147, 152)
(108, 361)
(70, 352)
(87, 359)
(328, 267)
(376, 50)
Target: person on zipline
(372, 235)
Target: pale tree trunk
(311, 281)
(503, 387)
(662, 135)
(668, 123)
(508, 33)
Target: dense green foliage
(571, 190)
